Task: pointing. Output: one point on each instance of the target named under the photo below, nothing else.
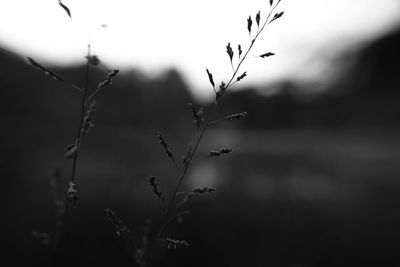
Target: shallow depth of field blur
(314, 179)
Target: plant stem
(72, 179)
(231, 82)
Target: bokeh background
(313, 179)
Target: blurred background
(313, 177)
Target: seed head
(249, 23)
(153, 184)
(72, 193)
(229, 51)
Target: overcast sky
(154, 35)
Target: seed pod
(229, 51)
(72, 194)
(210, 77)
(241, 76)
(203, 190)
(267, 55)
(153, 184)
(249, 23)
(197, 115)
(236, 116)
(277, 16)
(174, 244)
(164, 144)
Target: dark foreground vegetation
(313, 180)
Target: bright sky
(154, 35)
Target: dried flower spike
(153, 184)
(226, 151)
(241, 76)
(277, 16)
(113, 73)
(249, 23)
(222, 151)
(108, 80)
(221, 92)
(121, 230)
(88, 121)
(210, 77)
(258, 17)
(164, 144)
(197, 115)
(236, 116)
(267, 55)
(214, 153)
(229, 51)
(174, 244)
(72, 193)
(203, 190)
(222, 88)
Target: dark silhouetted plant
(86, 122)
(138, 248)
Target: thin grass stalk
(208, 122)
(61, 224)
(172, 209)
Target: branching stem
(169, 210)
